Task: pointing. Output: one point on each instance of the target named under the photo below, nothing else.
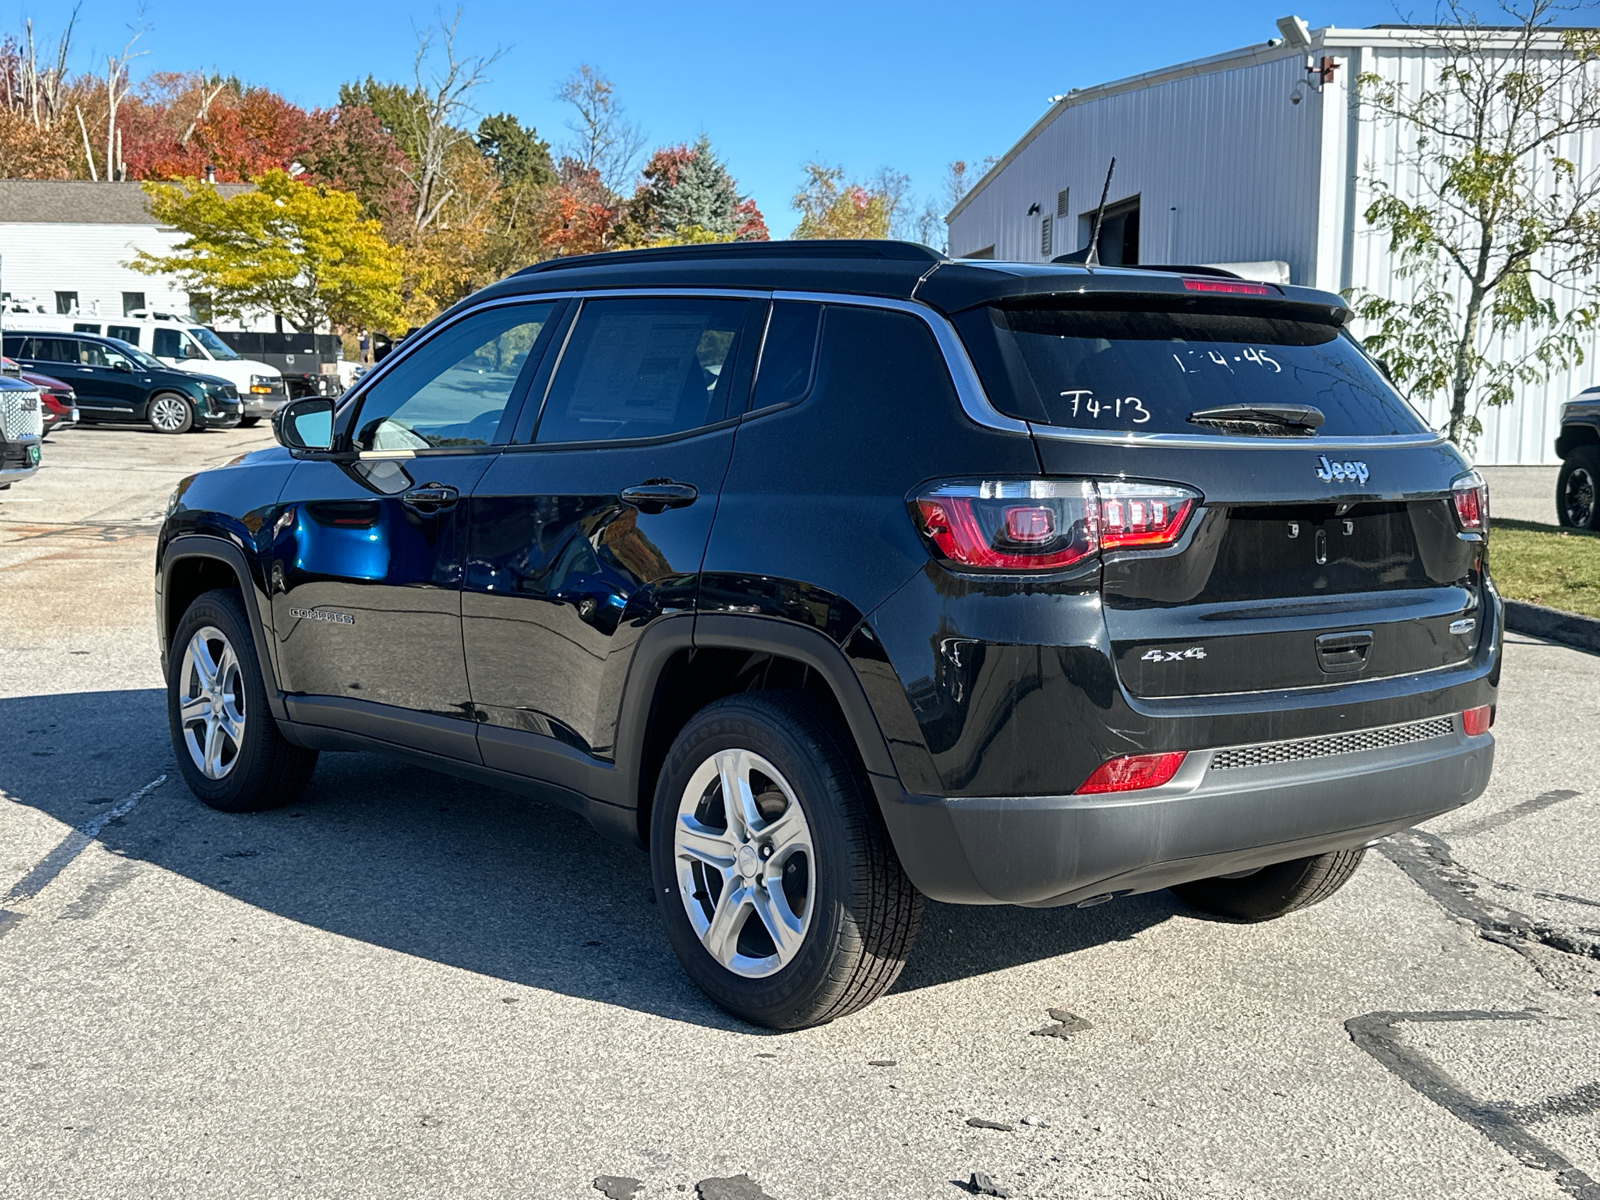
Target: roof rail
(808, 248)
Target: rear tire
(808, 915)
(170, 413)
(229, 749)
(1578, 489)
(1273, 891)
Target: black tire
(264, 770)
(249, 422)
(1273, 891)
(168, 412)
(1578, 489)
(863, 909)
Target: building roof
(1325, 39)
(81, 202)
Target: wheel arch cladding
(195, 564)
(734, 655)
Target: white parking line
(74, 844)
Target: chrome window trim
(969, 388)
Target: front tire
(1273, 891)
(229, 749)
(788, 907)
(170, 413)
(1578, 489)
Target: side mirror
(122, 365)
(305, 424)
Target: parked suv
(1578, 447)
(842, 574)
(21, 430)
(115, 381)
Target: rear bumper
(1049, 850)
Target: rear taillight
(1475, 722)
(1132, 773)
(1047, 524)
(1470, 495)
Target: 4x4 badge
(1173, 655)
(1329, 471)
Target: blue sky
(909, 86)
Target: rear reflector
(1228, 287)
(1475, 722)
(1132, 773)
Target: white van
(181, 343)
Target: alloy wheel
(745, 863)
(211, 702)
(168, 413)
(1578, 498)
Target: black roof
(898, 270)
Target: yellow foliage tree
(831, 208)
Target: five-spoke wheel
(211, 702)
(743, 851)
(170, 413)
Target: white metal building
(66, 243)
(1241, 157)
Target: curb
(1570, 629)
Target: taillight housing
(1469, 495)
(1032, 525)
(1133, 773)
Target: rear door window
(1147, 372)
(645, 368)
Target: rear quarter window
(1146, 372)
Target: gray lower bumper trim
(1046, 850)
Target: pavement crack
(1426, 858)
(1378, 1035)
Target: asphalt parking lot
(409, 986)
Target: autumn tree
(1496, 229)
(686, 194)
(829, 207)
(302, 252)
(603, 141)
(347, 147)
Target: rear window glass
(1146, 372)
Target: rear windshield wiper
(1262, 420)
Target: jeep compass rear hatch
(1333, 538)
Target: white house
(66, 243)
(1246, 156)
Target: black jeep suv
(843, 574)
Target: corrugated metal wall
(1228, 170)
(1521, 433)
(1224, 165)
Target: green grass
(1559, 568)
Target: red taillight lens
(1475, 722)
(1132, 773)
(1142, 514)
(1229, 287)
(1470, 495)
(1047, 524)
(1010, 525)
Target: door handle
(658, 495)
(431, 497)
(1341, 652)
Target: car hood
(48, 382)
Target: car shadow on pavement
(424, 864)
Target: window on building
(1044, 236)
(132, 302)
(1119, 232)
(66, 302)
(200, 308)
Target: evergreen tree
(520, 155)
(687, 195)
